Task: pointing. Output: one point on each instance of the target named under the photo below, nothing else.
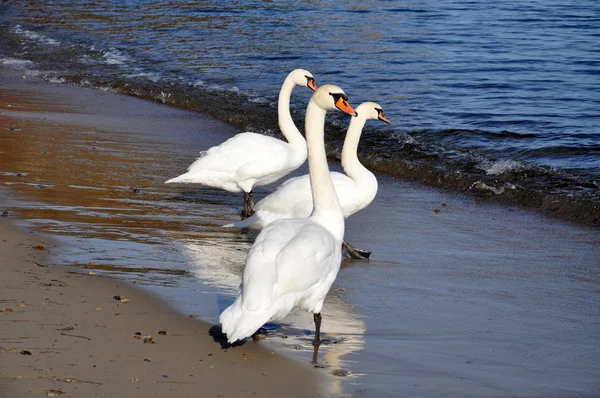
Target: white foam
(107, 89)
(31, 73)
(259, 100)
(54, 79)
(163, 96)
(115, 57)
(501, 167)
(482, 186)
(149, 75)
(34, 36)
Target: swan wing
(237, 151)
(287, 256)
(293, 198)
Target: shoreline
(64, 332)
(461, 296)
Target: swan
(250, 159)
(293, 262)
(356, 189)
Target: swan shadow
(219, 337)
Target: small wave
(154, 77)
(15, 63)
(499, 190)
(403, 139)
(163, 97)
(107, 89)
(501, 167)
(33, 36)
(259, 100)
(54, 79)
(115, 57)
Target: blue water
(497, 99)
(483, 97)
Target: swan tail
(259, 220)
(238, 323)
(249, 222)
(184, 178)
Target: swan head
(371, 110)
(302, 77)
(330, 97)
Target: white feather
(293, 263)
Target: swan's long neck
(286, 123)
(350, 162)
(326, 209)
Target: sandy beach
(461, 298)
(62, 330)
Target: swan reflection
(218, 260)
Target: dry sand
(63, 332)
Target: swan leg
(353, 252)
(248, 209)
(250, 203)
(317, 340)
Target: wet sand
(62, 330)
(460, 298)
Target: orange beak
(311, 84)
(345, 107)
(383, 118)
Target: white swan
(356, 189)
(293, 262)
(250, 159)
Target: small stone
(124, 300)
(341, 373)
(148, 340)
(297, 347)
(91, 273)
(25, 352)
(4, 214)
(162, 332)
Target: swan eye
(337, 96)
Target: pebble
(341, 373)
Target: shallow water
(474, 300)
(497, 100)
